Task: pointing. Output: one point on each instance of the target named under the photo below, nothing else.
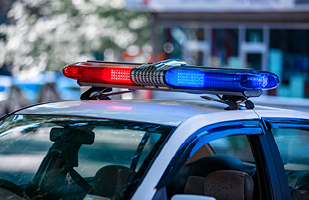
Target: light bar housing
(172, 75)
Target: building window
(289, 58)
(224, 50)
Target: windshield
(54, 157)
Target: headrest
(206, 165)
(229, 185)
(111, 181)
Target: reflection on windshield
(64, 156)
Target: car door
(292, 138)
(266, 177)
(252, 128)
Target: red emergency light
(100, 72)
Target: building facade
(270, 35)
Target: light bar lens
(203, 79)
(173, 74)
(270, 80)
(185, 78)
(199, 79)
(99, 74)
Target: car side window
(294, 150)
(231, 146)
(234, 146)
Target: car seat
(201, 168)
(111, 181)
(222, 185)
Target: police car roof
(155, 111)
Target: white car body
(188, 117)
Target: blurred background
(39, 37)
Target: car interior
(219, 176)
(216, 169)
(205, 174)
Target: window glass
(224, 50)
(254, 61)
(196, 58)
(22, 151)
(170, 43)
(254, 35)
(289, 59)
(190, 43)
(58, 157)
(114, 146)
(234, 146)
(294, 150)
(293, 145)
(197, 34)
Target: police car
(222, 147)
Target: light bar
(214, 79)
(95, 72)
(173, 75)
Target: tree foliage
(46, 35)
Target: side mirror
(191, 197)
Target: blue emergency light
(172, 75)
(220, 79)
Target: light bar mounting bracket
(233, 102)
(100, 93)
